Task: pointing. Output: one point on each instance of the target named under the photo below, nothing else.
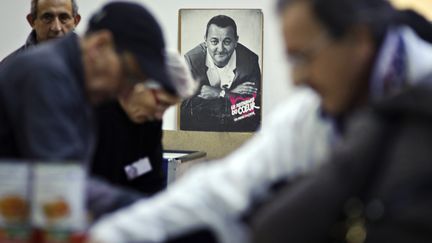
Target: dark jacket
(30, 42)
(377, 184)
(44, 110)
(45, 115)
(216, 115)
(122, 142)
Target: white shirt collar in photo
(221, 76)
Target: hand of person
(208, 92)
(246, 88)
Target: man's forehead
(60, 6)
(217, 30)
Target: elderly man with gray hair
(49, 19)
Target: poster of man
(223, 48)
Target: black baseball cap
(136, 30)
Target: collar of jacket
(31, 40)
(404, 59)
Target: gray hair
(34, 3)
(184, 84)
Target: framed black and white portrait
(223, 48)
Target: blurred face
(147, 103)
(335, 68)
(107, 72)
(221, 43)
(54, 19)
(110, 74)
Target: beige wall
(215, 144)
(422, 6)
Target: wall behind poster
(422, 6)
(276, 82)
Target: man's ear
(77, 19)
(30, 20)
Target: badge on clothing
(138, 168)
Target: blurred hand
(208, 92)
(246, 88)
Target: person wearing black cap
(123, 137)
(47, 93)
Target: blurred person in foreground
(376, 185)
(362, 53)
(126, 132)
(47, 93)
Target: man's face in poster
(221, 43)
